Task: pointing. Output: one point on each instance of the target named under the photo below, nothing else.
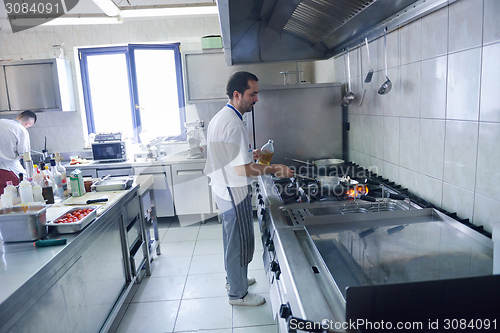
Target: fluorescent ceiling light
(84, 20)
(170, 11)
(108, 7)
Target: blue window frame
(145, 75)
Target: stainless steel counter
(335, 263)
(57, 285)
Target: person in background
(231, 169)
(14, 141)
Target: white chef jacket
(227, 146)
(14, 141)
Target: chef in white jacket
(14, 141)
(231, 169)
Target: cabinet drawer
(132, 209)
(115, 172)
(133, 232)
(137, 256)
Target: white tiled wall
(65, 130)
(437, 131)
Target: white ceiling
(89, 7)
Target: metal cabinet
(162, 187)
(85, 290)
(38, 85)
(207, 74)
(191, 189)
(150, 227)
(134, 244)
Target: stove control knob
(285, 311)
(275, 268)
(259, 196)
(263, 212)
(261, 202)
(257, 185)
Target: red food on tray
(74, 216)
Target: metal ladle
(349, 97)
(387, 85)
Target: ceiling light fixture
(108, 7)
(170, 11)
(80, 20)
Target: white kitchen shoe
(250, 282)
(250, 299)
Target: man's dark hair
(239, 82)
(27, 115)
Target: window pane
(109, 90)
(157, 90)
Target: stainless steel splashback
(305, 121)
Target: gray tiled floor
(186, 292)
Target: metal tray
(112, 184)
(69, 228)
(23, 223)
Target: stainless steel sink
(354, 210)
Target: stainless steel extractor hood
(289, 30)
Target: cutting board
(112, 196)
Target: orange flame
(356, 190)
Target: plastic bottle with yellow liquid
(267, 152)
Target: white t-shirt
(227, 146)
(14, 141)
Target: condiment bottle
(37, 175)
(62, 185)
(47, 190)
(267, 152)
(54, 176)
(25, 190)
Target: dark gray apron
(241, 198)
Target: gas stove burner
(308, 189)
(297, 190)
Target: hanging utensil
(387, 85)
(349, 97)
(369, 75)
(361, 77)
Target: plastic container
(38, 194)
(6, 200)
(25, 190)
(267, 152)
(11, 189)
